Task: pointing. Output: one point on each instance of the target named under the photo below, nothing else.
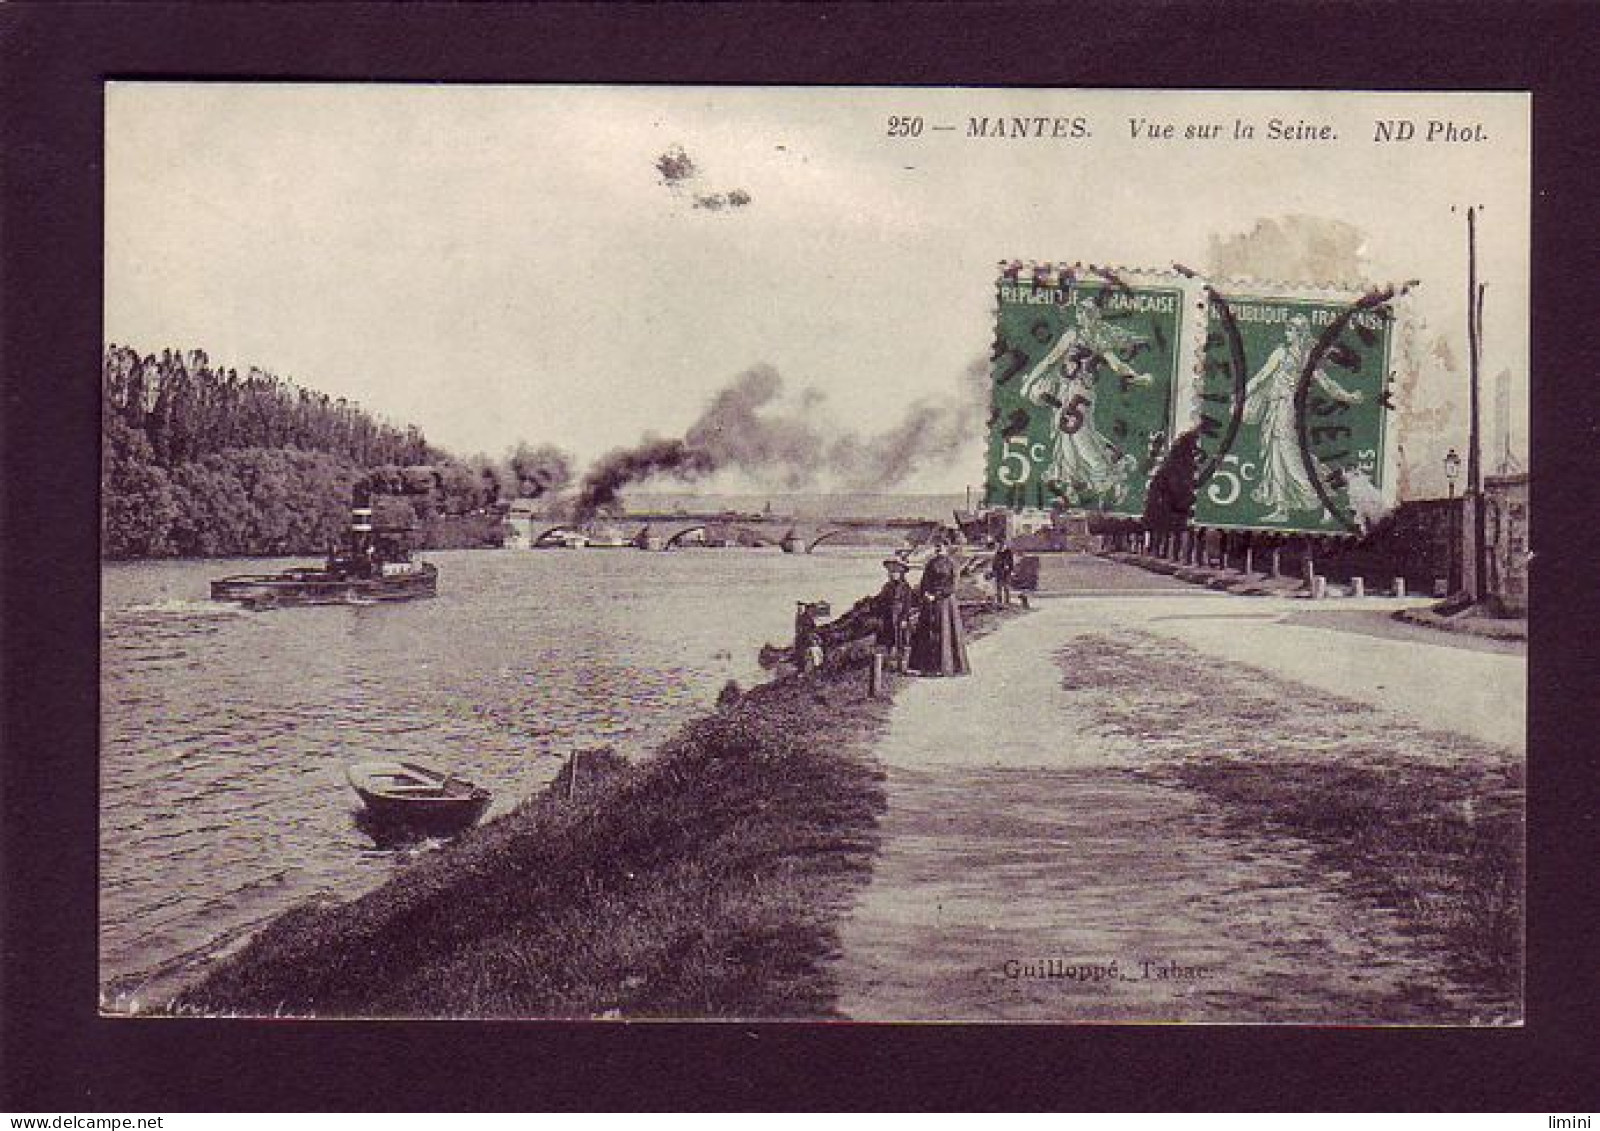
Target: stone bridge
(674, 531)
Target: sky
(500, 264)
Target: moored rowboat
(416, 793)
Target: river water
(225, 732)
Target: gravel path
(1024, 852)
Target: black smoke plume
(602, 486)
(541, 470)
(747, 427)
(934, 432)
(744, 428)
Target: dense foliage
(198, 461)
(1169, 501)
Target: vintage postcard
(879, 554)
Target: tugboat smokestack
(365, 570)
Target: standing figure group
(936, 644)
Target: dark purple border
(57, 1056)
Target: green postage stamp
(1084, 374)
(1096, 372)
(1292, 400)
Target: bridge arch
(825, 535)
(544, 538)
(682, 534)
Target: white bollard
(1358, 587)
(1319, 587)
(1399, 587)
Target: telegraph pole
(1480, 557)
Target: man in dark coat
(1004, 566)
(895, 604)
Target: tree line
(197, 461)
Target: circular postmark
(1291, 401)
(1346, 342)
(1083, 370)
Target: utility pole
(1480, 557)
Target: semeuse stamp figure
(1084, 467)
(1269, 402)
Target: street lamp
(1452, 468)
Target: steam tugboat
(371, 566)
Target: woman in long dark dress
(939, 646)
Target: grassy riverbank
(705, 880)
(1468, 623)
(1423, 822)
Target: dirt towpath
(1034, 869)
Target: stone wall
(1506, 531)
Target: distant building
(520, 516)
(1028, 521)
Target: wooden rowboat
(415, 793)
